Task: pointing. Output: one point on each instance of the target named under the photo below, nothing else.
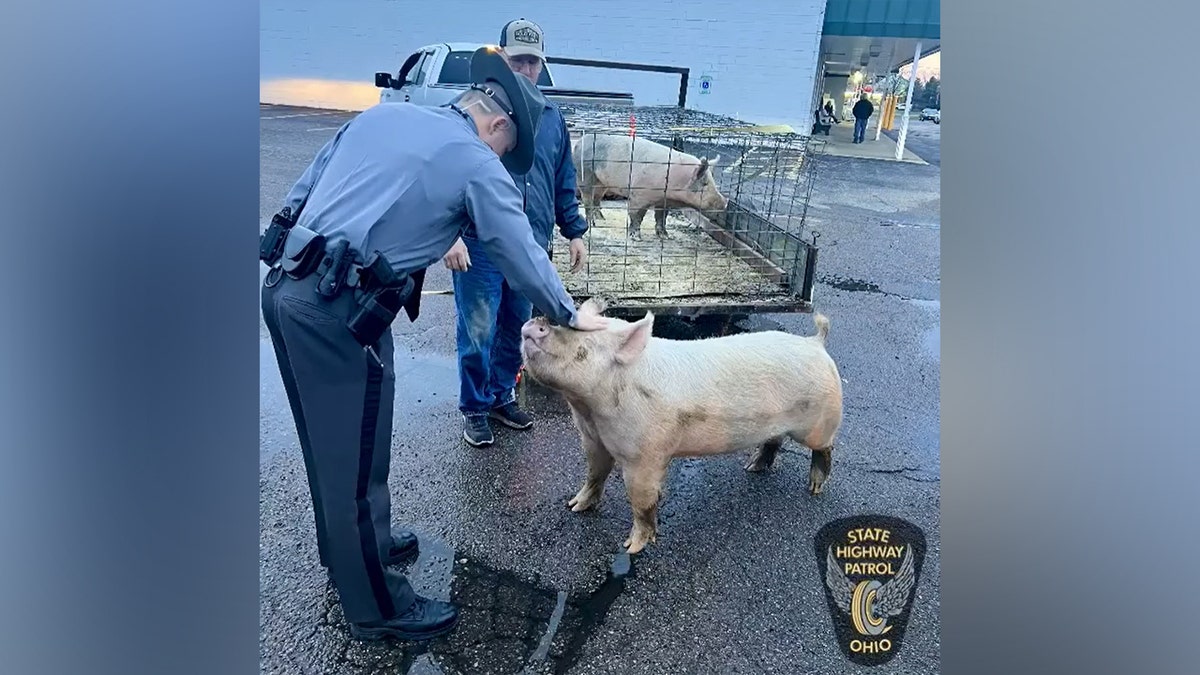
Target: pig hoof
(581, 502)
(757, 465)
(636, 542)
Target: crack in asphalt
(904, 472)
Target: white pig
(648, 174)
(640, 401)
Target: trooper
(384, 199)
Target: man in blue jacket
(490, 310)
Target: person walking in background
(862, 110)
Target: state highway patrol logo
(870, 566)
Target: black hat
(489, 69)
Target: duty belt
(305, 253)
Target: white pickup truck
(436, 74)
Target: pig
(640, 401)
(648, 174)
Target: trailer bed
(750, 258)
(701, 268)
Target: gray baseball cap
(522, 36)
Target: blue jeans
(860, 129)
(490, 316)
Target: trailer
(752, 256)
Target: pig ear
(634, 339)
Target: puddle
(425, 375)
(508, 624)
(852, 285)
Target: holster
(383, 293)
(376, 310)
(303, 250)
(412, 306)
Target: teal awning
(920, 19)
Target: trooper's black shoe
(424, 620)
(510, 415)
(477, 431)
(404, 546)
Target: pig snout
(715, 200)
(534, 330)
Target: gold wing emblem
(841, 587)
(890, 598)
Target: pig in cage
(692, 214)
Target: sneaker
(477, 431)
(511, 416)
(425, 619)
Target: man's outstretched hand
(458, 258)
(578, 255)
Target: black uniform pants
(341, 399)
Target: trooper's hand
(589, 321)
(458, 259)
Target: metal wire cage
(692, 213)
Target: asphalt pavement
(732, 584)
(924, 138)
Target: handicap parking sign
(705, 84)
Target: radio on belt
(270, 244)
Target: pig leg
(818, 471)
(588, 201)
(593, 207)
(660, 222)
(643, 482)
(820, 440)
(600, 463)
(764, 457)
(636, 216)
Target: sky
(930, 66)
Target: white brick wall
(760, 54)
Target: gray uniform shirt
(405, 180)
